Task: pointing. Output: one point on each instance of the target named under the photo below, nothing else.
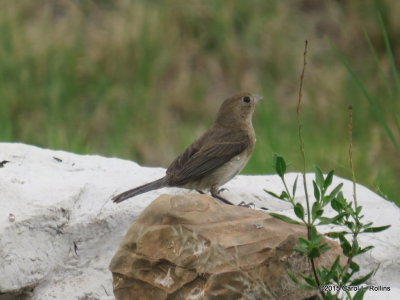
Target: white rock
(59, 229)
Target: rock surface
(59, 229)
(192, 247)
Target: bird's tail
(140, 190)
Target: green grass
(141, 79)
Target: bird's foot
(248, 205)
(222, 190)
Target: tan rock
(193, 247)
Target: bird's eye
(246, 99)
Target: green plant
(348, 215)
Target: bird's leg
(200, 192)
(222, 190)
(214, 193)
(248, 205)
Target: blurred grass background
(141, 79)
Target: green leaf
(360, 293)
(316, 210)
(334, 220)
(354, 266)
(280, 165)
(303, 246)
(293, 277)
(284, 195)
(369, 224)
(328, 179)
(299, 211)
(300, 250)
(358, 210)
(333, 270)
(363, 250)
(284, 218)
(314, 252)
(304, 242)
(319, 177)
(310, 280)
(274, 195)
(333, 235)
(335, 191)
(376, 229)
(325, 220)
(389, 51)
(362, 279)
(324, 247)
(349, 224)
(340, 197)
(317, 193)
(295, 280)
(336, 205)
(346, 278)
(344, 243)
(336, 235)
(295, 186)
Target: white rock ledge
(59, 229)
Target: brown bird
(216, 157)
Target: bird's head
(237, 110)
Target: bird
(214, 158)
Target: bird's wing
(197, 162)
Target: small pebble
(11, 218)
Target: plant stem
(300, 135)
(353, 178)
(356, 230)
(353, 175)
(309, 225)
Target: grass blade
(371, 100)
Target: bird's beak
(257, 98)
